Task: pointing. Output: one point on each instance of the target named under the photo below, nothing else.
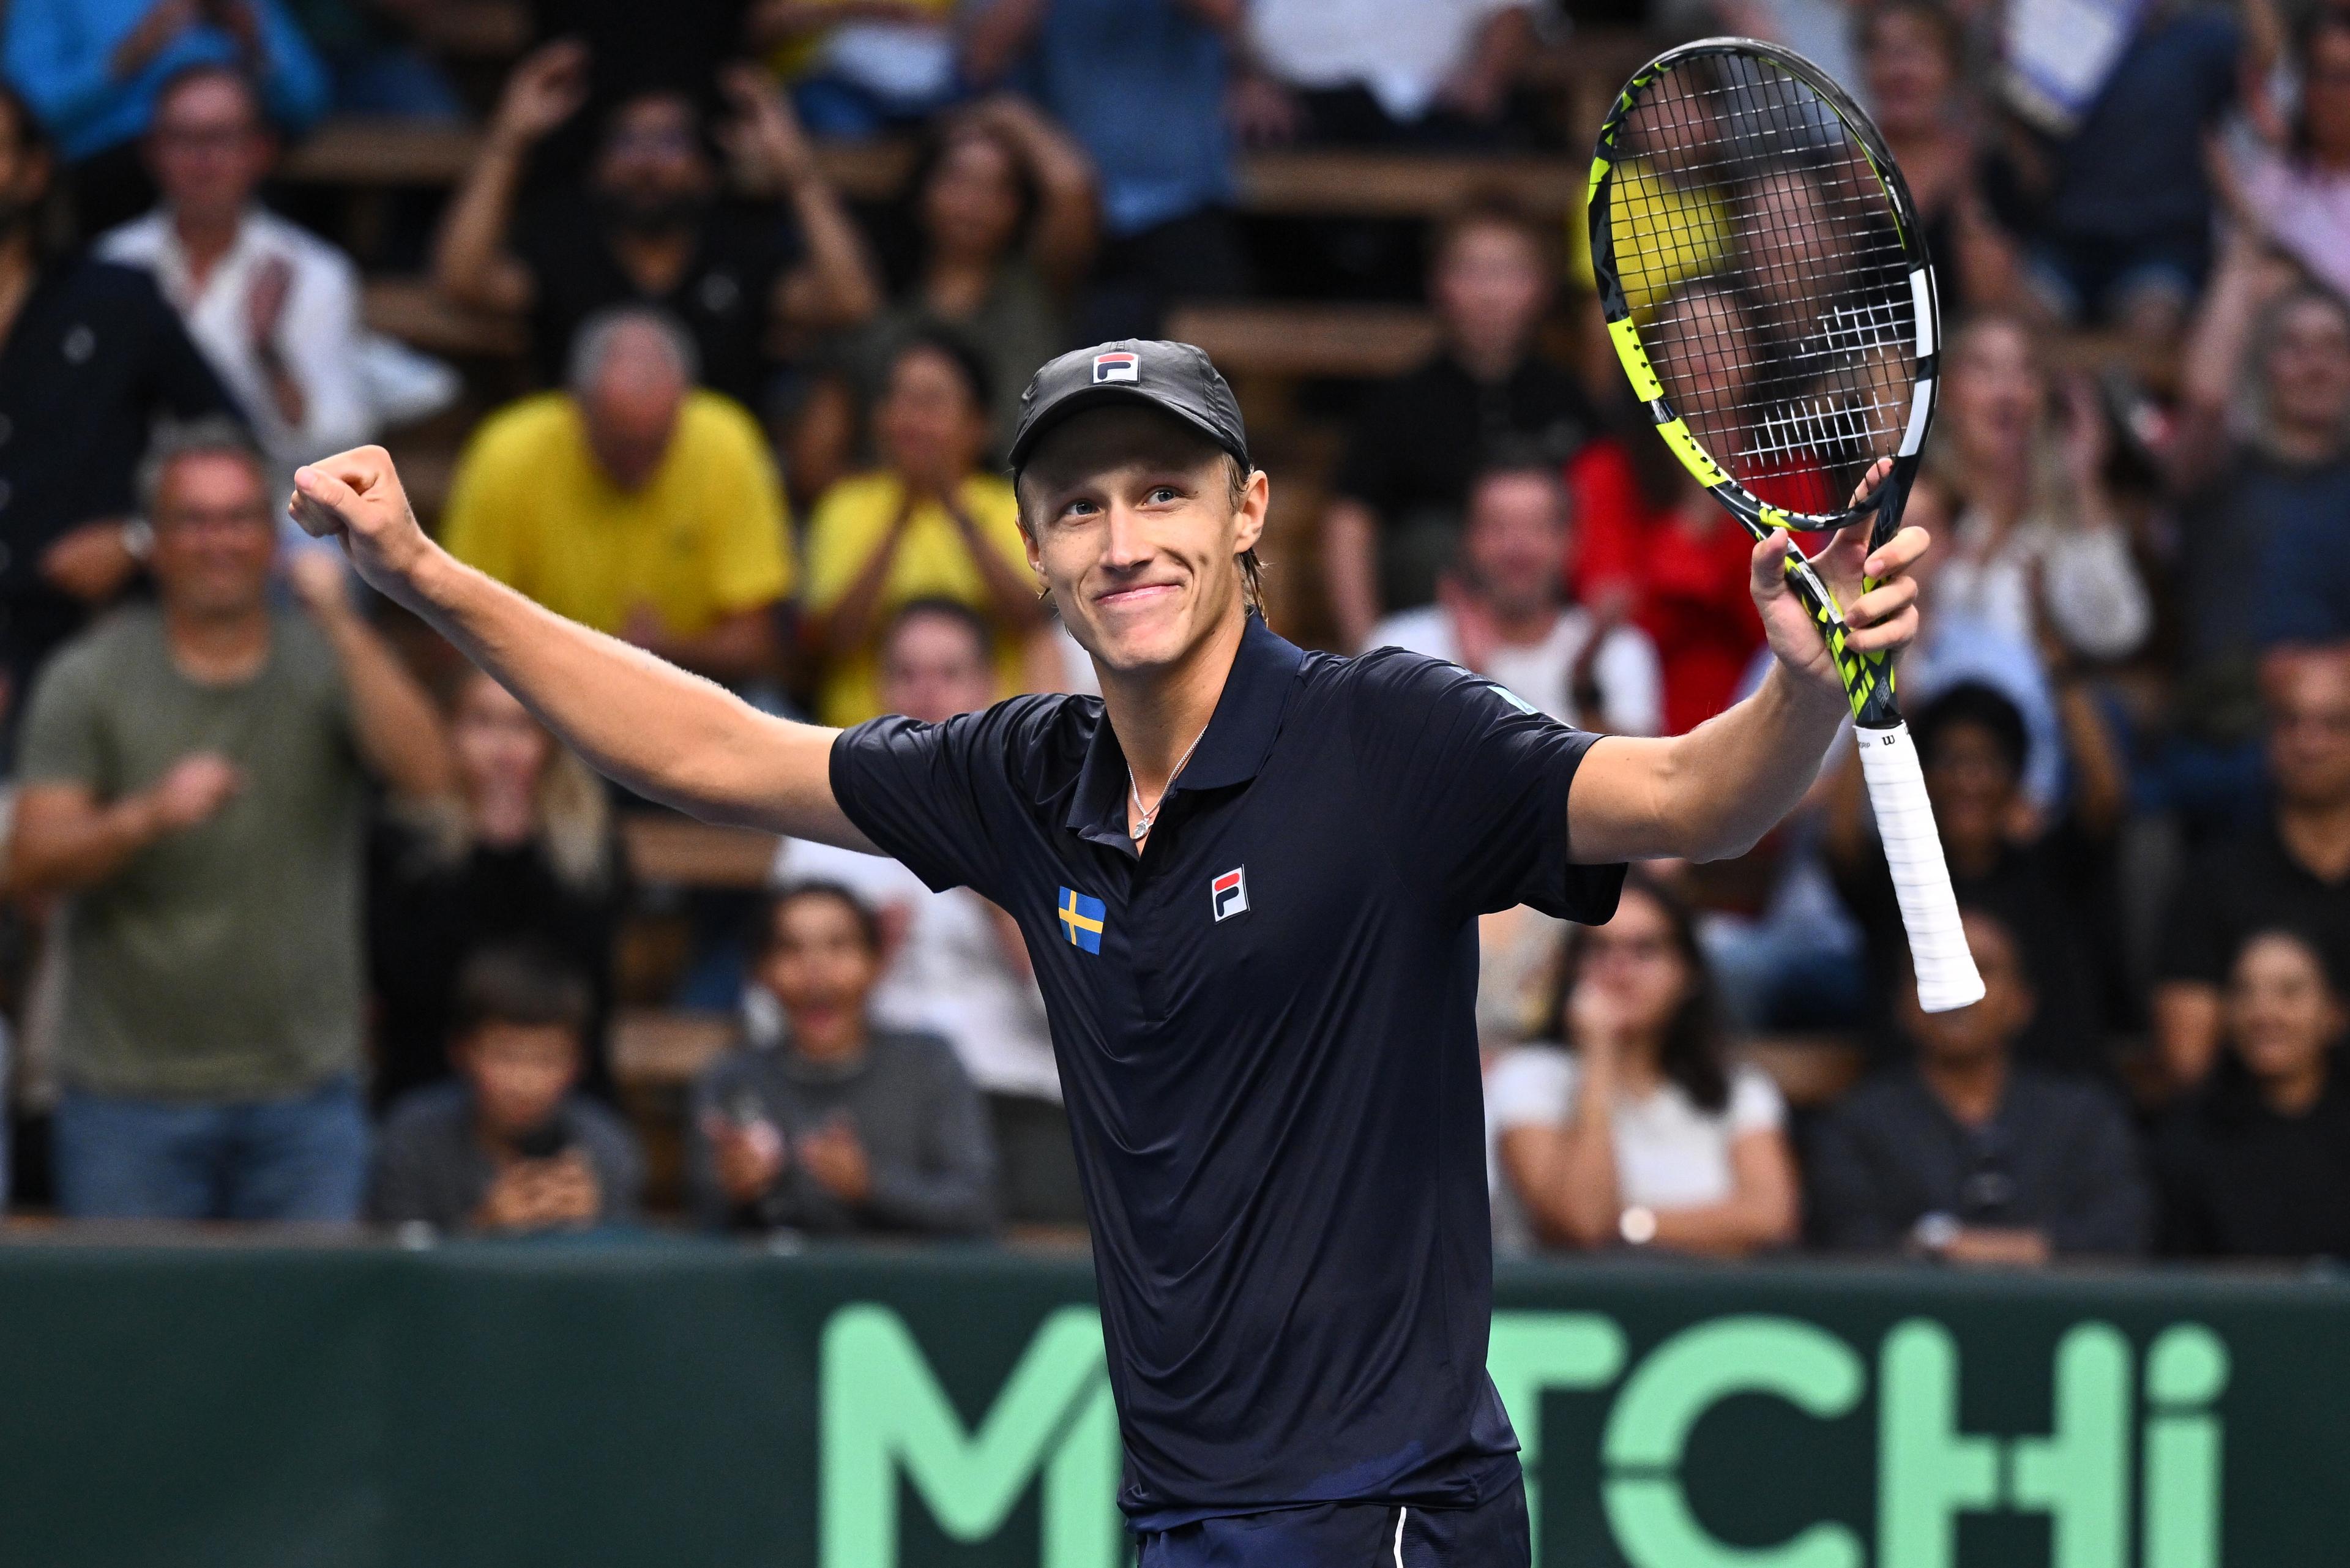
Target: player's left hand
(1879, 600)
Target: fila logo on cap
(1229, 892)
(1121, 366)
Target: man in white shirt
(273, 307)
(956, 965)
(1503, 613)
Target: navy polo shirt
(1267, 1037)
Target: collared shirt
(1266, 1030)
(701, 540)
(94, 358)
(319, 330)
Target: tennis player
(1249, 876)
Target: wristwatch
(138, 539)
(1636, 1225)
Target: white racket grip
(1921, 879)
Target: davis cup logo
(1229, 892)
(1118, 367)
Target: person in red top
(1652, 540)
(1656, 548)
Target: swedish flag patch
(1082, 920)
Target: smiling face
(1995, 393)
(209, 147)
(822, 965)
(1132, 522)
(2283, 1014)
(501, 750)
(215, 536)
(972, 204)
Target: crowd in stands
(308, 921)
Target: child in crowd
(512, 1146)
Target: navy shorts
(1353, 1535)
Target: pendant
(1141, 828)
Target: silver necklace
(1143, 819)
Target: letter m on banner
(884, 1413)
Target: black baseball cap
(1175, 377)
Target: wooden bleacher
(363, 152)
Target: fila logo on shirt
(1229, 892)
(1118, 367)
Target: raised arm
(668, 735)
(1713, 792)
(470, 262)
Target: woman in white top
(2038, 541)
(1643, 1133)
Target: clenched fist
(355, 496)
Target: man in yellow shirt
(929, 524)
(633, 502)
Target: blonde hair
(574, 814)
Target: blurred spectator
(1502, 613)
(859, 68)
(633, 502)
(638, 47)
(1140, 85)
(1005, 218)
(2257, 1165)
(931, 523)
(527, 852)
(1646, 536)
(648, 227)
(1967, 1155)
(2260, 464)
(1913, 55)
(1644, 1132)
(2114, 191)
(843, 1126)
(956, 965)
(512, 1147)
(1394, 523)
(194, 775)
(2291, 870)
(274, 309)
(2037, 537)
(90, 357)
(376, 58)
(1955, 646)
(91, 70)
(2292, 179)
(2047, 882)
(1381, 71)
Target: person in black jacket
(528, 852)
(90, 358)
(2258, 1164)
(1969, 1156)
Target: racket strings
(1758, 246)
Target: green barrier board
(670, 1404)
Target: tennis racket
(1767, 289)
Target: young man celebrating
(1248, 877)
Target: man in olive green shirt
(193, 778)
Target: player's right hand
(355, 496)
